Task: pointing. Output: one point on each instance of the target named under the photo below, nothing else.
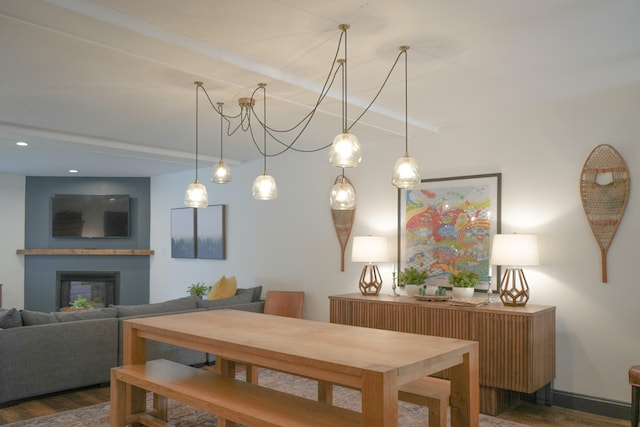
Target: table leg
(465, 391)
(380, 399)
(226, 368)
(134, 352)
(325, 392)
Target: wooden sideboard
(517, 344)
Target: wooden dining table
(374, 361)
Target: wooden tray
(432, 298)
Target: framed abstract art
(446, 225)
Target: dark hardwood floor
(524, 412)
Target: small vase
(462, 292)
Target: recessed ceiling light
(21, 144)
(73, 170)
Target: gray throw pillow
(10, 318)
(255, 291)
(221, 303)
(30, 318)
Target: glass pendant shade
(406, 172)
(345, 151)
(264, 188)
(196, 195)
(343, 196)
(221, 173)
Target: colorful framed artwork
(210, 232)
(446, 225)
(183, 232)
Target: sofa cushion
(256, 291)
(96, 313)
(223, 288)
(30, 318)
(220, 303)
(179, 304)
(10, 318)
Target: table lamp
(514, 251)
(370, 249)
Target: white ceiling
(106, 86)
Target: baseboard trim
(590, 404)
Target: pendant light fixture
(406, 171)
(343, 196)
(345, 150)
(221, 172)
(196, 194)
(264, 186)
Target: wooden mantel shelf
(125, 252)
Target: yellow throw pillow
(223, 288)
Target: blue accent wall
(40, 270)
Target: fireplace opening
(99, 287)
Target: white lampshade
(515, 250)
(343, 196)
(264, 188)
(196, 195)
(406, 172)
(369, 249)
(345, 151)
(221, 173)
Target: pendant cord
(406, 106)
(198, 84)
(220, 104)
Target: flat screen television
(90, 216)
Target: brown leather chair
(284, 303)
(634, 380)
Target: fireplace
(99, 287)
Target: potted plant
(199, 289)
(411, 279)
(463, 283)
(80, 303)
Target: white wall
(11, 238)
(290, 243)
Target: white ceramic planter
(411, 290)
(462, 292)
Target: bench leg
(160, 406)
(438, 414)
(117, 412)
(325, 392)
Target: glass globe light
(406, 172)
(343, 196)
(264, 188)
(196, 195)
(345, 151)
(221, 173)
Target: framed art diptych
(199, 233)
(445, 225)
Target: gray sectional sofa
(43, 353)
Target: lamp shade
(196, 195)
(343, 196)
(264, 188)
(345, 151)
(221, 173)
(515, 250)
(406, 173)
(369, 249)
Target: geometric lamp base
(370, 280)
(514, 290)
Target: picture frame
(447, 225)
(183, 232)
(211, 232)
(199, 233)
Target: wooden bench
(434, 393)
(226, 397)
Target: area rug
(181, 415)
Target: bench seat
(227, 398)
(434, 393)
